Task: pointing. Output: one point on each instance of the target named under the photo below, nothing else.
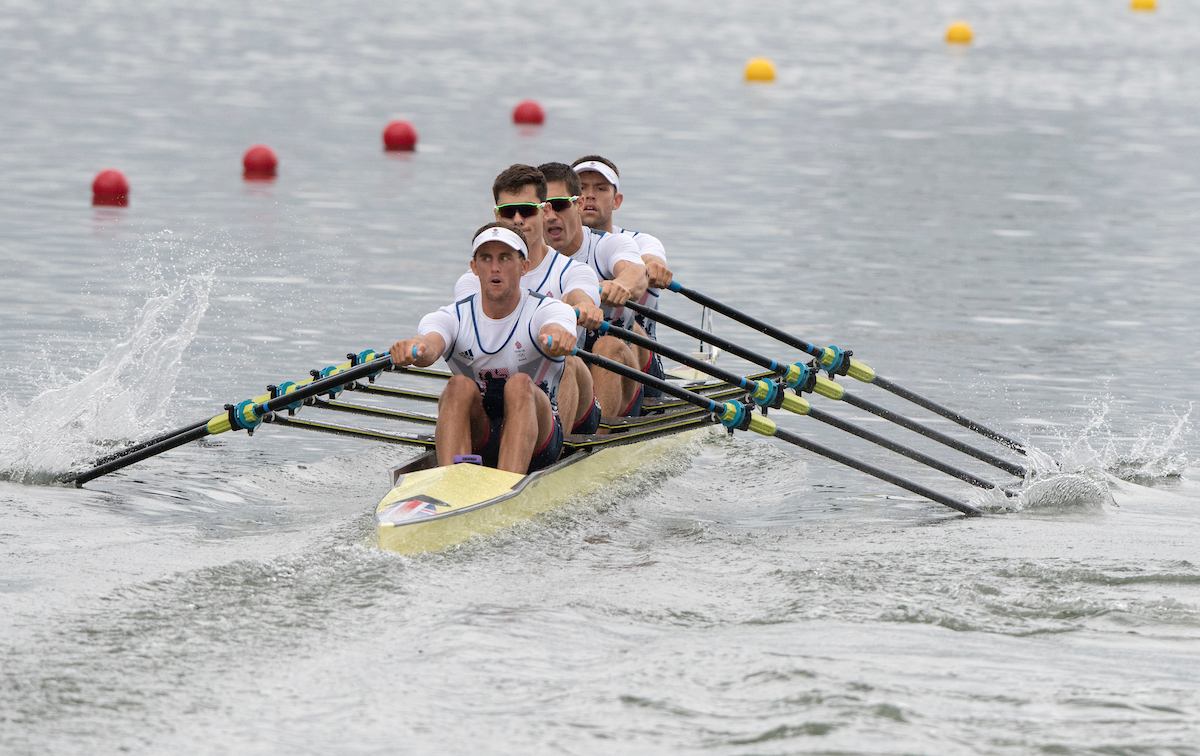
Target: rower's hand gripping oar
(247, 415)
(803, 378)
(773, 394)
(736, 415)
(839, 362)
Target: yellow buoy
(1143, 5)
(760, 69)
(959, 32)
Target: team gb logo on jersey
(520, 350)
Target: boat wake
(1078, 477)
(123, 397)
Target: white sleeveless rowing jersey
(601, 251)
(554, 276)
(647, 245)
(491, 351)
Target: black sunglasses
(526, 209)
(558, 204)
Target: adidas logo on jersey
(467, 354)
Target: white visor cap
(500, 234)
(603, 170)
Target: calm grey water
(1009, 228)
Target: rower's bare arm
(556, 341)
(421, 351)
(629, 283)
(660, 274)
(590, 316)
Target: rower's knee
(460, 391)
(614, 349)
(519, 390)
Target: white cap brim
(603, 170)
(500, 234)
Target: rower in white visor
(622, 275)
(600, 187)
(505, 347)
(520, 194)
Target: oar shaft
(183, 437)
(912, 425)
(222, 423)
(700, 401)
(747, 320)
(804, 408)
(148, 442)
(900, 449)
(948, 413)
(841, 394)
(855, 370)
(691, 330)
(877, 472)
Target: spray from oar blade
(839, 362)
(802, 378)
(736, 415)
(246, 415)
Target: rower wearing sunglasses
(622, 273)
(505, 346)
(600, 187)
(520, 194)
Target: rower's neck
(499, 309)
(537, 253)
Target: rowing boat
(430, 508)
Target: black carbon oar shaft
(222, 422)
(181, 437)
(801, 408)
(148, 442)
(948, 413)
(841, 393)
(902, 450)
(877, 472)
(818, 352)
(766, 427)
(1002, 464)
(748, 320)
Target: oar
(246, 415)
(736, 415)
(838, 362)
(773, 394)
(800, 377)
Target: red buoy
(259, 162)
(110, 188)
(400, 136)
(529, 112)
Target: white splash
(124, 397)
(1076, 478)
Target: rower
(600, 187)
(622, 273)
(520, 193)
(505, 347)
